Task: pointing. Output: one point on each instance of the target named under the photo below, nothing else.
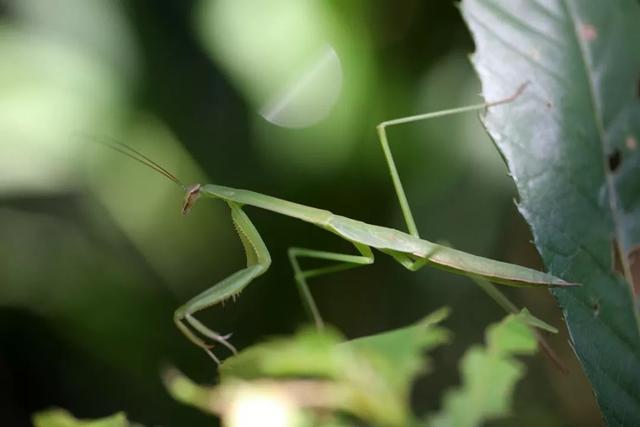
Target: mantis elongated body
(411, 251)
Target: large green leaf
(571, 142)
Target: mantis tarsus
(408, 249)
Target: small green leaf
(489, 376)
(186, 391)
(62, 418)
(309, 351)
(400, 352)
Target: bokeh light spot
(309, 98)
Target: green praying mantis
(407, 248)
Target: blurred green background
(278, 96)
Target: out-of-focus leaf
(369, 377)
(571, 144)
(400, 351)
(489, 375)
(309, 352)
(62, 418)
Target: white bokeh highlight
(309, 98)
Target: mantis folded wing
(408, 249)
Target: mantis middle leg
(258, 261)
(342, 262)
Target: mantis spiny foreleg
(258, 261)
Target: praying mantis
(407, 248)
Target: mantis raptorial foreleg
(258, 261)
(342, 262)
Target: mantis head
(193, 193)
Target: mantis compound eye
(193, 192)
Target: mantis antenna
(139, 157)
(192, 191)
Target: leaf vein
(549, 13)
(522, 25)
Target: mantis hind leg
(342, 262)
(395, 177)
(258, 261)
